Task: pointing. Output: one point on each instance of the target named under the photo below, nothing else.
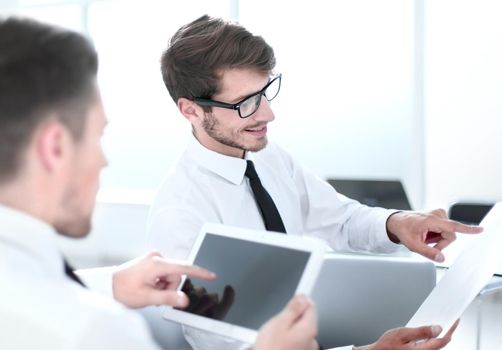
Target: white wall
(350, 105)
(463, 100)
(347, 105)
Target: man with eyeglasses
(51, 123)
(221, 78)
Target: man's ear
(190, 110)
(52, 142)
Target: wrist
(117, 288)
(114, 286)
(392, 227)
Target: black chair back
(468, 212)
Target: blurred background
(391, 89)
(407, 90)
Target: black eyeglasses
(250, 104)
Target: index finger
(441, 225)
(462, 228)
(193, 271)
(180, 268)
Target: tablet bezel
(314, 246)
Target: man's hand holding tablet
(258, 273)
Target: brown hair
(44, 70)
(200, 50)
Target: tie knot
(250, 170)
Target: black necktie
(269, 212)
(69, 272)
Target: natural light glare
(346, 105)
(345, 108)
(464, 94)
(146, 133)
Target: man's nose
(264, 112)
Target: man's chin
(74, 230)
(258, 146)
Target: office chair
(469, 212)
(388, 194)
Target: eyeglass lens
(252, 103)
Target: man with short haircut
(222, 79)
(51, 122)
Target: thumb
(294, 310)
(425, 332)
(167, 297)
(153, 253)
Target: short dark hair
(44, 70)
(200, 50)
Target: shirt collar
(230, 168)
(31, 236)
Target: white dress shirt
(206, 186)
(41, 308)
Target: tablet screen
(254, 280)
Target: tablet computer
(257, 273)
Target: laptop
(388, 194)
(361, 297)
(257, 273)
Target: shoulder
(61, 314)
(182, 180)
(104, 323)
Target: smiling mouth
(260, 128)
(258, 131)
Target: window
(146, 133)
(347, 94)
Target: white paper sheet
(469, 273)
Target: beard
(74, 227)
(74, 222)
(212, 127)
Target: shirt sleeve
(117, 330)
(345, 224)
(173, 231)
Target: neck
(215, 146)
(27, 199)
